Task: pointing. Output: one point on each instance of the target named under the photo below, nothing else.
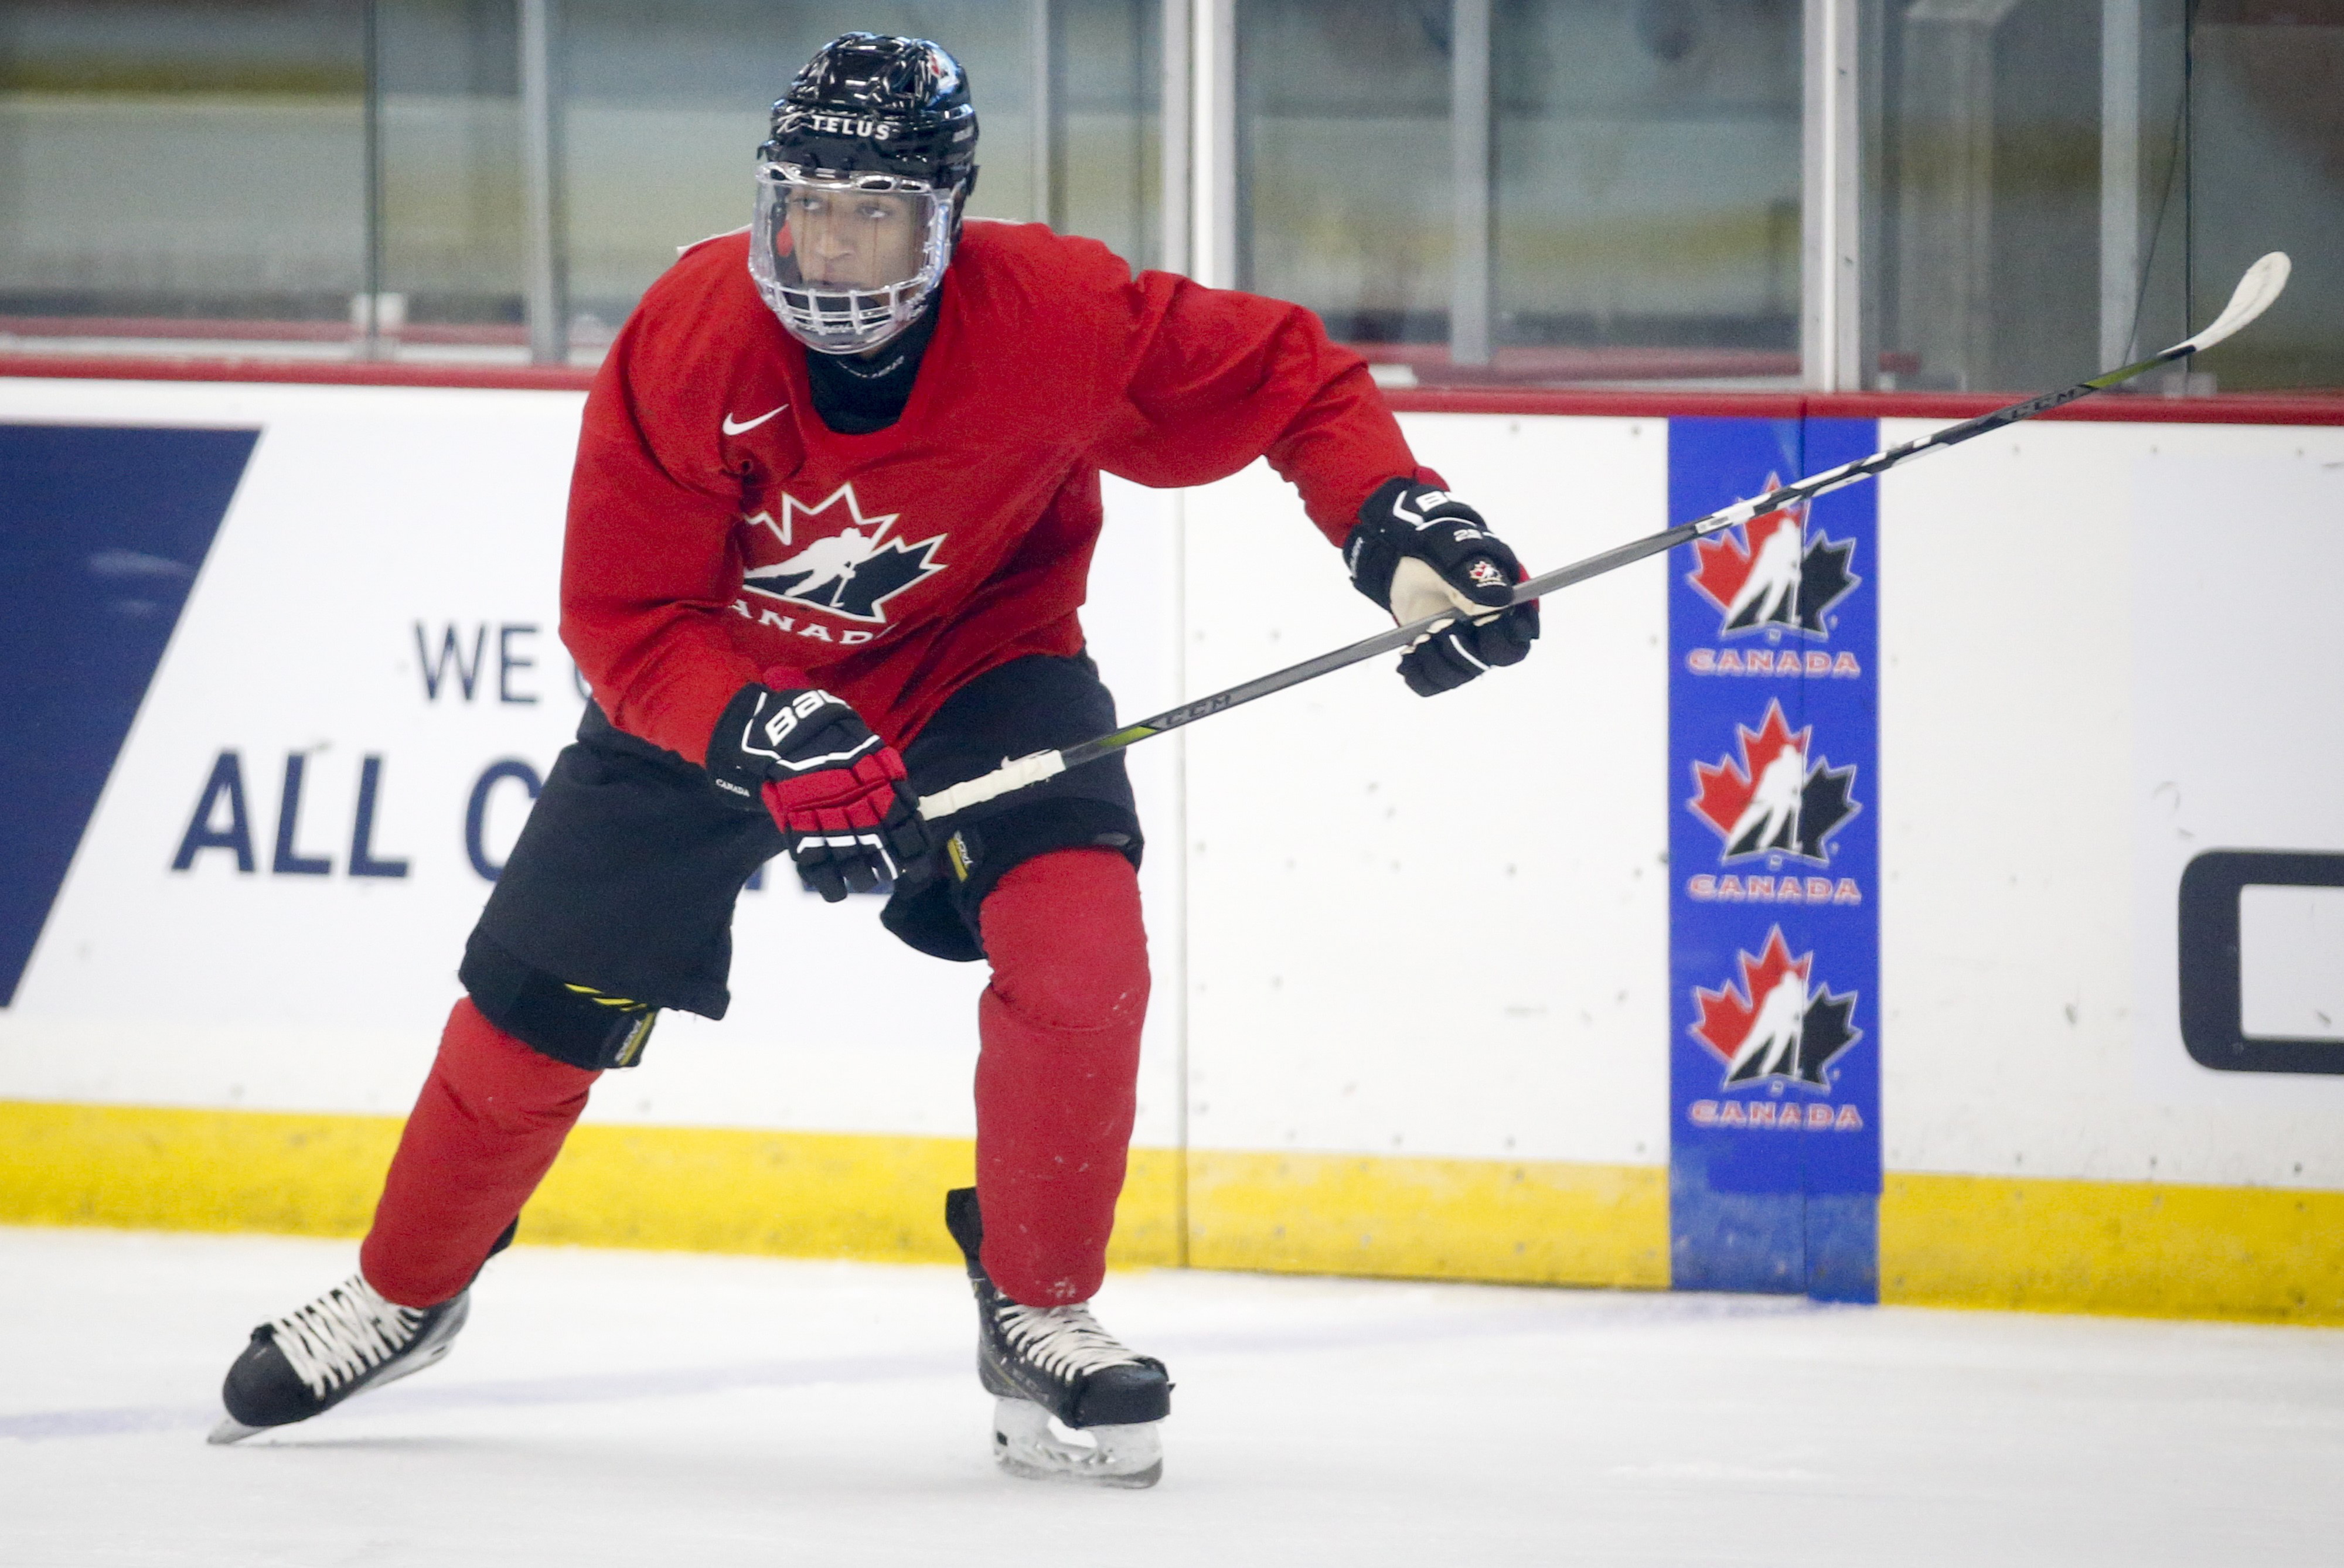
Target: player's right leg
(492, 1116)
(617, 902)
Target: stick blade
(2261, 284)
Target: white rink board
(1379, 924)
(364, 512)
(2108, 647)
(1434, 927)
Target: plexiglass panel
(1645, 180)
(1108, 72)
(1648, 184)
(1343, 164)
(453, 235)
(2070, 182)
(2050, 185)
(2264, 129)
(662, 106)
(1989, 275)
(196, 162)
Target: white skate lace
(1064, 1341)
(349, 1330)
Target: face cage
(844, 320)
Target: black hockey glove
(1418, 551)
(836, 790)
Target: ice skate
(1056, 1362)
(348, 1340)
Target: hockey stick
(2253, 295)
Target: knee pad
(570, 1023)
(942, 914)
(1067, 945)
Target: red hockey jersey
(719, 530)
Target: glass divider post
(541, 304)
(2120, 61)
(1831, 334)
(1469, 120)
(1213, 168)
(1178, 99)
(369, 314)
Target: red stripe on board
(2123, 408)
(1606, 404)
(2222, 409)
(297, 372)
(181, 328)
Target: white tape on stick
(1013, 774)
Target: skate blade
(231, 1430)
(1025, 1445)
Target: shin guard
(484, 1131)
(1057, 1078)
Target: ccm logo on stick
(2213, 962)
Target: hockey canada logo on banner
(1780, 798)
(840, 563)
(1777, 1023)
(1769, 573)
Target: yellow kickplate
(149, 1169)
(798, 1194)
(1532, 1222)
(823, 1195)
(2137, 1248)
(2157, 1250)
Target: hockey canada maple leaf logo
(841, 563)
(1772, 1025)
(1768, 572)
(1773, 802)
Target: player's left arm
(1220, 378)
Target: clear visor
(846, 263)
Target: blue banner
(102, 532)
(1773, 851)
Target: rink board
(1430, 977)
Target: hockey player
(834, 503)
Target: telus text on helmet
(840, 125)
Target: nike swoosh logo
(733, 429)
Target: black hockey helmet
(868, 103)
(860, 189)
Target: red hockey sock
(1056, 1079)
(483, 1133)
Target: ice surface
(630, 1408)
